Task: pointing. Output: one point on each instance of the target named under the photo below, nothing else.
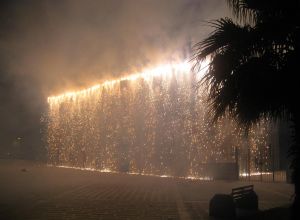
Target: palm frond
(226, 33)
(242, 10)
(245, 90)
(254, 11)
(248, 62)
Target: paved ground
(43, 192)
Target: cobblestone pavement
(43, 192)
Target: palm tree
(253, 70)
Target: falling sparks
(149, 123)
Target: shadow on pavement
(279, 213)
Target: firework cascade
(154, 122)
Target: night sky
(48, 47)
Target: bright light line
(161, 70)
(133, 173)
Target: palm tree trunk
(295, 153)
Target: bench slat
(243, 192)
(243, 187)
(240, 192)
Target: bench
(245, 198)
(222, 206)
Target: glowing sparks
(86, 168)
(132, 173)
(72, 95)
(163, 70)
(156, 126)
(255, 174)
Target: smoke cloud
(48, 47)
(70, 43)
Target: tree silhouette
(253, 69)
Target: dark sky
(47, 47)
